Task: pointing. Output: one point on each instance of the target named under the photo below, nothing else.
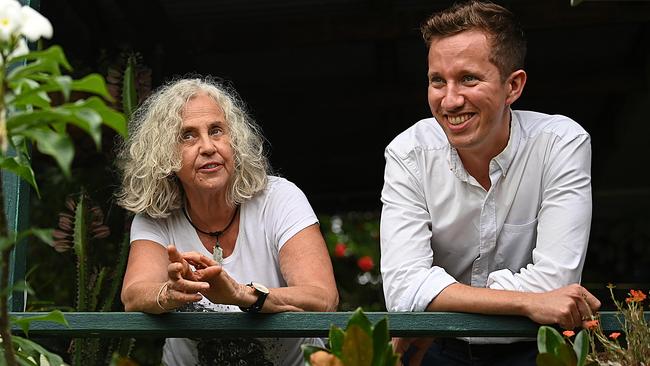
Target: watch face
(259, 287)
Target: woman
(213, 231)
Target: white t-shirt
(266, 222)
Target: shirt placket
(488, 229)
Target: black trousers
(456, 352)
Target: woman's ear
(515, 86)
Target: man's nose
(452, 100)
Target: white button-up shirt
(528, 232)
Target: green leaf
(566, 354)
(22, 286)
(357, 347)
(30, 348)
(336, 338)
(93, 83)
(55, 316)
(38, 66)
(54, 53)
(110, 117)
(64, 84)
(7, 242)
(548, 359)
(381, 339)
(359, 319)
(548, 340)
(56, 145)
(91, 122)
(129, 94)
(21, 168)
(581, 347)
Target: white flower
(34, 25)
(10, 18)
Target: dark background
(332, 82)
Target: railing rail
(307, 324)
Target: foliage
(630, 348)
(593, 347)
(28, 82)
(360, 344)
(353, 243)
(97, 285)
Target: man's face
(467, 95)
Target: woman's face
(207, 160)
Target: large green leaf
(110, 117)
(54, 53)
(381, 339)
(21, 168)
(359, 319)
(548, 340)
(93, 83)
(336, 338)
(548, 359)
(58, 146)
(357, 347)
(581, 347)
(38, 66)
(29, 348)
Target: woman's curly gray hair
(149, 158)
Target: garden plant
(591, 346)
(29, 81)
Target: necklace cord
(217, 233)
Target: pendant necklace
(217, 253)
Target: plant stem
(5, 330)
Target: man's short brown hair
(504, 32)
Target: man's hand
(569, 306)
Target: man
(485, 209)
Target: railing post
(16, 200)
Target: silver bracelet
(162, 288)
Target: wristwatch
(262, 292)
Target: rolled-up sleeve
(410, 281)
(563, 225)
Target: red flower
(339, 250)
(365, 263)
(591, 324)
(614, 335)
(636, 296)
(569, 333)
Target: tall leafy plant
(28, 80)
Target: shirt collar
(504, 159)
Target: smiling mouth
(461, 118)
(210, 166)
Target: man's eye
(435, 80)
(469, 79)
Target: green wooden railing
(307, 324)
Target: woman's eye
(216, 131)
(186, 136)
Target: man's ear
(515, 86)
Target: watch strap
(258, 304)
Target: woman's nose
(206, 146)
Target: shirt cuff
(503, 279)
(424, 288)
